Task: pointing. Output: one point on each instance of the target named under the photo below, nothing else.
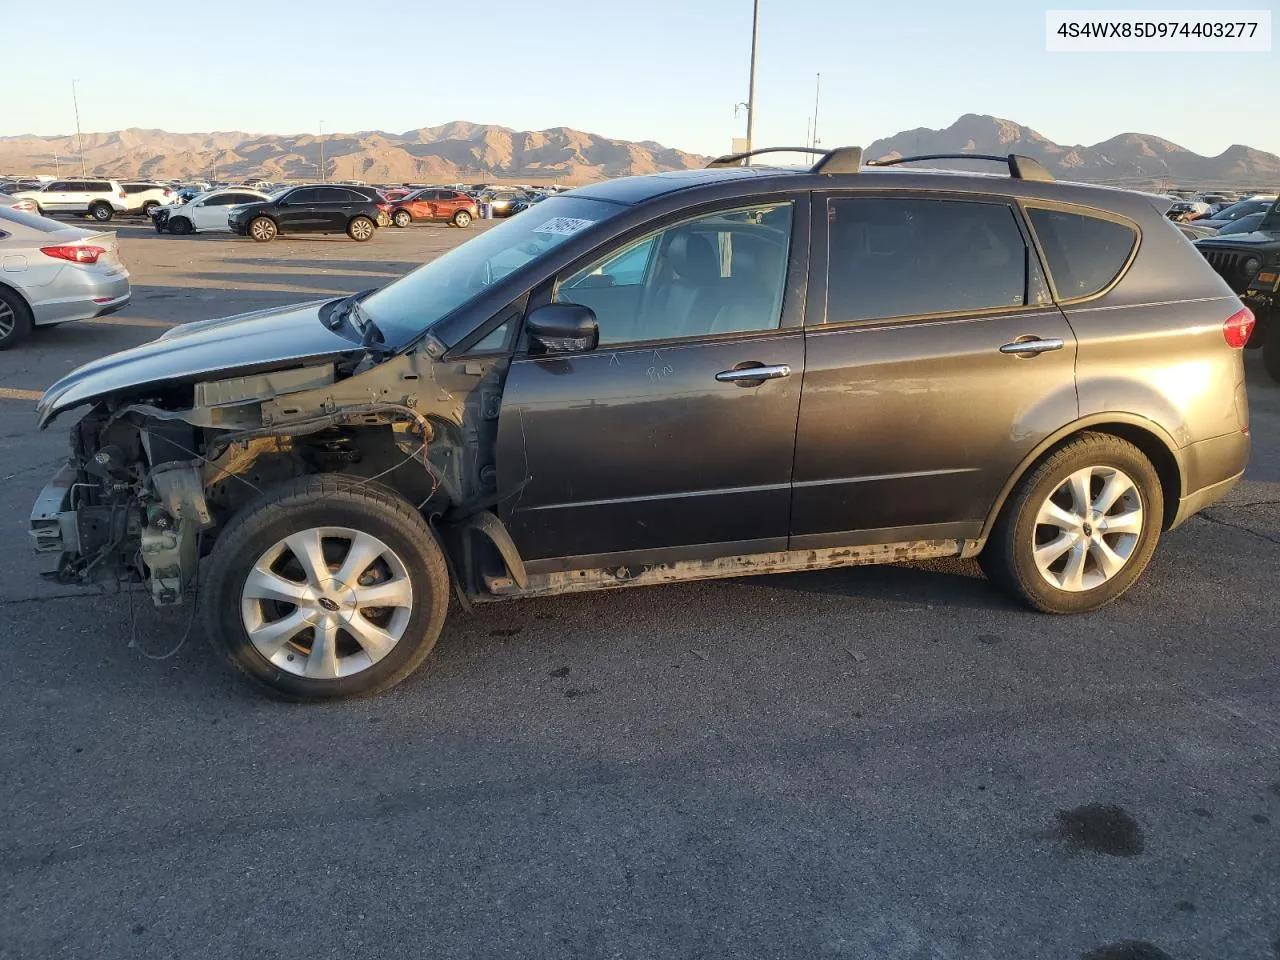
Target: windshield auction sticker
(563, 226)
(1157, 31)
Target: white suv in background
(145, 196)
(99, 199)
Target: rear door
(936, 361)
(675, 437)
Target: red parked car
(397, 193)
(434, 203)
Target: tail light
(74, 253)
(384, 207)
(123, 195)
(1238, 327)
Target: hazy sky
(665, 70)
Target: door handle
(754, 374)
(1032, 346)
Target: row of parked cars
(99, 200)
(1205, 219)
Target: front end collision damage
(157, 472)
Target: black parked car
(1250, 263)
(355, 211)
(657, 379)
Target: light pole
(322, 151)
(57, 167)
(79, 140)
(751, 91)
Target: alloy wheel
(326, 602)
(263, 229)
(1088, 528)
(8, 320)
(361, 229)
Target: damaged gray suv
(654, 379)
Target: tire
(330, 512)
(462, 219)
(180, 226)
(101, 212)
(15, 319)
(263, 229)
(1271, 347)
(148, 207)
(361, 229)
(402, 218)
(1074, 578)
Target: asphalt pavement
(892, 763)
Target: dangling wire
(191, 620)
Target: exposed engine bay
(153, 478)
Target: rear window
(30, 220)
(1084, 254)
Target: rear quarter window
(1083, 253)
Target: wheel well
(18, 293)
(1149, 443)
(1155, 450)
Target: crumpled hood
(203, 350)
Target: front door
(55, 196)
(935, 365)
(297, 211)
(675, 437)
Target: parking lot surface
(888, 762)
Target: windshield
(416, 301)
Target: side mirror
(562, 328)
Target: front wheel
(402, 218)
(101, 212)
(462, 219)
(1271, 347)
(327, 588)
(180, 226)
(1079, 529)
(360, 229)
(262, 229)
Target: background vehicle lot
(863, 763)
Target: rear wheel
(1079, 529)
(15, 319)
(148, 207)
(360, 229)
(462, 219)
(262, 229)
(180, 225)
(327, 588)
(101, 212)
(402, 218)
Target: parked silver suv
(664, 378)
(99, 199)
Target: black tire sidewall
(101, 208)
(1271, 347)
(1014, 537)
(243, 543)
(22, 320)
(180, 226)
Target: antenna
(817, 92)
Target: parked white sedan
(203, 213)
(52, 273)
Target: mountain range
(462, 151)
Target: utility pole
(79, 140)
(817, 92)
(322, 151)
(751, 91)
(57, 167)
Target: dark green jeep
(1250, 263)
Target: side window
(75, 186)
(493, 341)
(220, 200)
(301, 196)
(100, 186)
(58, 186)
(1083, 253)
(903, 257)
(721, 273)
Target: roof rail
(735, 159)
(1020, 167)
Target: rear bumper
(1210, 469)
(81, 295)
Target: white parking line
(10, 393)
